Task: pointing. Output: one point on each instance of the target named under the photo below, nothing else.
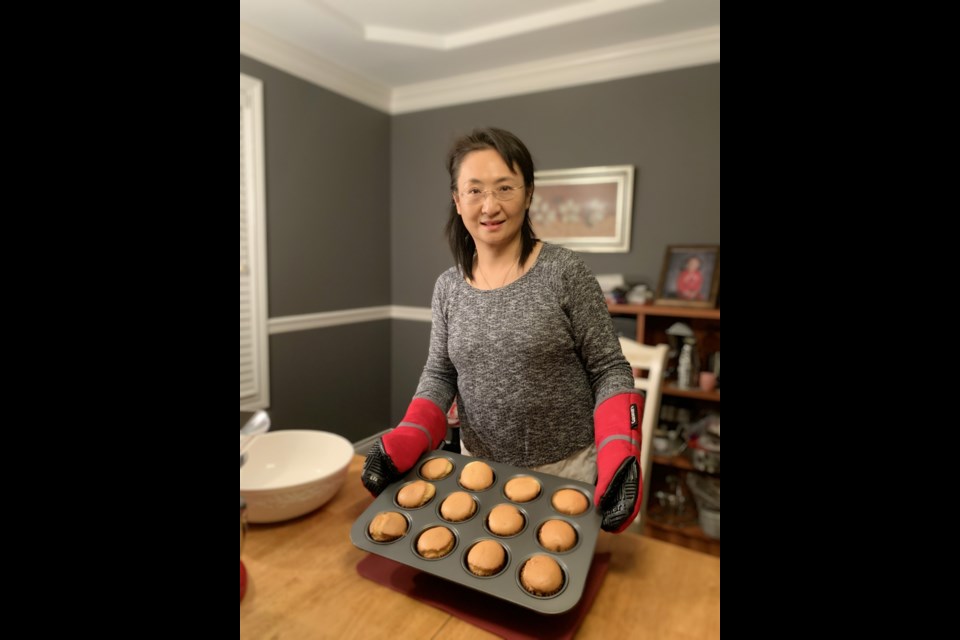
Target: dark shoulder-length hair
(515, 154)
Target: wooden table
(304, 584)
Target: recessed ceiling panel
(442, 17)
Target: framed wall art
(588, 209)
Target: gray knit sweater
(527, 362)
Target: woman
(522, 340)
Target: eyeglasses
(474, 195)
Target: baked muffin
(541, 576)
(435, 542)
(476, 476)
(387, 526)
(486, 558)
(522, 489)
(505, 520)
(416, 494)
(458, 506)
(570, 502)
(436, 469)
(557, 535)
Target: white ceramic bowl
(292, 472)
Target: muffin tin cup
(501, 536)
(563, 571)
(575, 563)
(431, 456)
(395, 488)
(431, 525)
(496, 479)
(476, 512)
(366, 528)
(466, 565)
(503, 490)
(576, 531)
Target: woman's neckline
(535, 255)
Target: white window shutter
(254, 359)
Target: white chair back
(653, 360)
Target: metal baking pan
(574, 563)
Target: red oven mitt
(617, 432)
(422, 429)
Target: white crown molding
(310, 321)
(307, 66)
(499, 30)
(689, 49)
(419, 39)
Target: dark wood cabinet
(679, 523)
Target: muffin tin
(574, 563)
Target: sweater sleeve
(438, 381)
(594, 337)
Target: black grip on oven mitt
(422, 429)
(617, 433)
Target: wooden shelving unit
(643, 311)
(652, 323)
(681, 461)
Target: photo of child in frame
(690, 280)
(690, 276)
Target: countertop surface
(303, 583)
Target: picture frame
(588, 209)
(690, 276)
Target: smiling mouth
(492, 223)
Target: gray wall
(357, 200)
(667, 125)
(328, 248)
(334, 379)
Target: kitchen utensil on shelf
(675, 336)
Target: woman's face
(693, 264)
(491, 222)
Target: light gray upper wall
(328, 223)
(667, 125)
